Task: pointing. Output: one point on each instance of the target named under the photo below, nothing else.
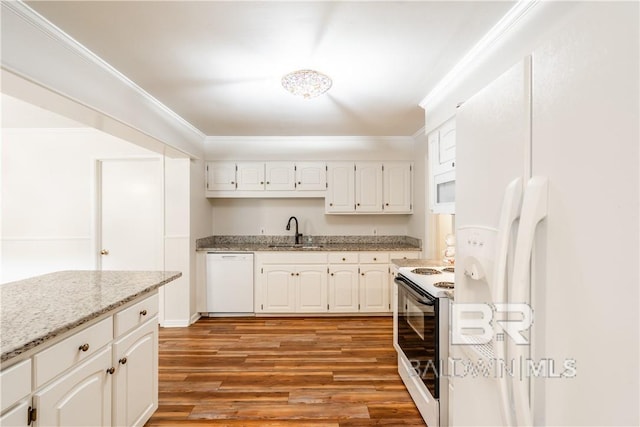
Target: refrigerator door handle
(534, 210)
(509, 214)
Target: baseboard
(194, 318)
(175, 323)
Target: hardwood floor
(330, 372)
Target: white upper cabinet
(340, 197)
(250, 176)
(221, 176)
(442, 172)
(280, 176)
(311, 176)
(368, 187)
(397, 187)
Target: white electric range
(434, 280)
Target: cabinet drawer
(343, 257)
(374, 258)
(136, 315)
(15, 383)
(405, 255)
(291, 258)
(54, 360)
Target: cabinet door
(374, 288)
(82, 397)
(343, 288)
(277, 283)
(136, 380)
(17, 417)
(397, 187)
(311, 292)
(280, 176)
(311, 176)
(250, 176)
(221, 176)
(340, 196)
(447, 143)
(368, 187)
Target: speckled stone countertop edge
(7, 356)
(421, 262)
(323, 248)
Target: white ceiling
(218, 64)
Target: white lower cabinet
(135, 387)
(351, 282)
(89, 378)
(343, 289)
(81, 397)
(374, 288)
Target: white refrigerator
(545, 320)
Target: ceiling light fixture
(306, 83)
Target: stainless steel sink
(290, 246)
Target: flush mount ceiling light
(306, 83)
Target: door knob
(104, 252)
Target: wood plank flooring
(329, 372)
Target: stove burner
(444, 285)
(449, 269)
(426, 271)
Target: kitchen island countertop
(36, 310)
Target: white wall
(48, 198)
(249, 216)
(201, 225)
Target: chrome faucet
(298, 235)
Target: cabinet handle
(104, 252)
(143, 313)
(453, 164)
(111, 370)
(123, 361)
(84, 347)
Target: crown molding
(91, 70)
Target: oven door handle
(420, 298)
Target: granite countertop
(317, 243)
(35, 310)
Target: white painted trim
(175, 323)
(61, 58)
(309, 138)
(176, 236)
(473, 57)
(194, 318)
(42, 238)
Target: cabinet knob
(268, 182)
(358, 204)
(297, 274)
(143, 313)
(386, 204)
(330, 204)
(104, 252)
(293, 274)
(299, 182)
(453, 164)
(111, 370)
(232, 182)
(362, 274)
(84, 347)
(261, 182)
(375, 259)
(332, 274)
(123, 361)
(344, 259)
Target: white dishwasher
(229, 283)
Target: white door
(221, 176)
(131, 214)
(280, 176)
(250, 176)
(278, 289)
(396, 181)
(311, 295)
(311, 176)
(343, 288)
(80, 398)
(136, 379)
(340, 190)
(374, 288)
(368, 187)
